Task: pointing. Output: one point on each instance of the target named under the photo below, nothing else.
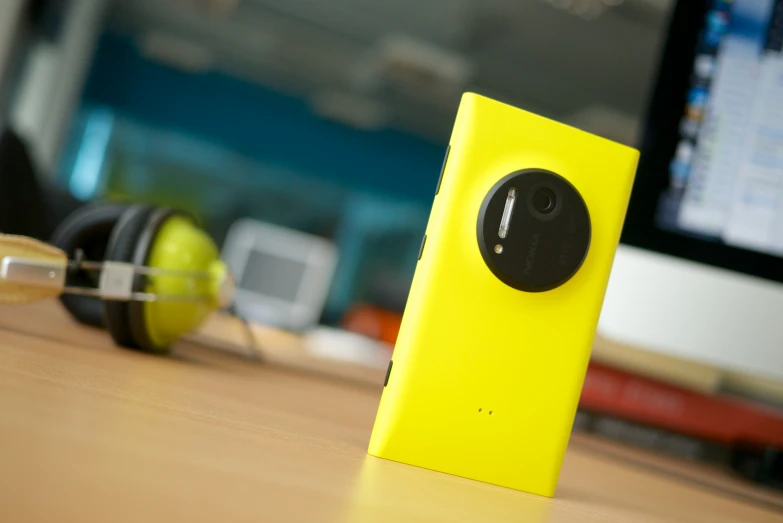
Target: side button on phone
(421, 247)
(388, 372)
(443, 168)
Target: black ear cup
(122, 246)
(119, 233)
(88, 229)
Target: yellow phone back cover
(486, 378)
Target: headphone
(148, 274)
(157, 275)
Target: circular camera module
(534, 230)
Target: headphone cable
(251, 341)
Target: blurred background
(324, 117)
(319, 128)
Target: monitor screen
(725, 181)
(271, 275)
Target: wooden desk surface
(89, 432)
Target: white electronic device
(282, 275)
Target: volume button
(443, 168)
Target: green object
(180, 245)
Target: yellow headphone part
(181, 246)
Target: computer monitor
(700, 269)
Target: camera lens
(543, 200)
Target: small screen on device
(272, 275)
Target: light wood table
(89, 432)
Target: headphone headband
(37, 274)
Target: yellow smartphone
(497, 331)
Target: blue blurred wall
(260, 123)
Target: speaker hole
(490, 413)
(479, 410)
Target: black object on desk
(27, 206)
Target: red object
(716, 418)
(373, 322)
